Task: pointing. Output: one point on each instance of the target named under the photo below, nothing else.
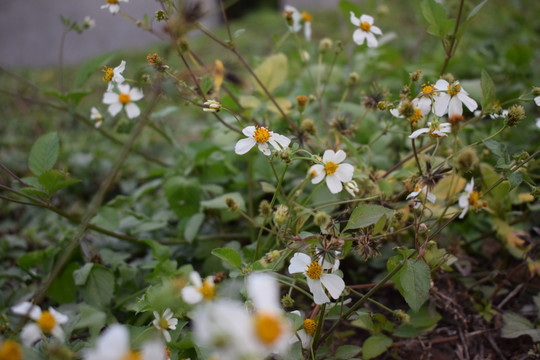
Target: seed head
(325, 45)
(353, 79)
(466, 160)
(280, 216)
(287, 301)
(231, 203)
(415, 76)
(265, 210)
(516, 113)
(321, 219)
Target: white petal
(319, 296)
(375, 30)
(344, 172)
(299, 263)
(263, 147)
(537, 100)
(359, 36)
(110, 98)
(395, 113)
(27, 309)
(333, 183)
(366, 18)
(441, 103)
(114, 109)
(425, 105)
(431, 197)
(470, 186)
(464, 212)
(467, 101)
(329, 155)
(153, 350)
(371, 40)
(305, 338)
(58, 317)
(441, 84)
(354, 20)
(334, 284)
(166, 335)
(30, 333)
(195, 279)
(418, 132)
(244, 145)
(58, 333)
(124, 88)
(172, 323)
(191, 295)
(249, 131)
(339, 156)
(120, 68)
(455, 107)
(464, 201)
(132, 110)
(320, 172)
(135, 94)
(263, 290)
(307, 30)
(279, 142)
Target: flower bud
(301, 101)
(280, 216)
(321, 219)
(325, 45)
(160, 15)
(516, 113)
(287, 301)
(466, 160)
(415, 76)
(353, 79)
(265, 210)
(308, 126)
(536, 91)
(231, 203)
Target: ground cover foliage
(356, 183)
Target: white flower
(306, 20)
(113, 344)
(96, 116)
(450, 98)
(352, 188)
(417, 111)
(114, 76)
(261, 136)
(112, 5)
(424, 100)
(537, 100)
(305, 333)
(124, 99)
(270, 326)
(225, 327)
(165, 322)
(435, 130)
(335, 172)
(421, 190)
(470, 197)
(88, 22)
(317, 278)
(199, 290)
(211, 106)
(293, 18)
(46, 322)
(365, 31)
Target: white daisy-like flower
(124, 99)
(46, 322)
(305, 333)
(226, 328)
(293, 17)
(96, 116)
(333, 169)
(199, 290)
(306, 21)
(165, 322)
(419, 191)
(366, 30)
(317, 277)
(435, 129)
(114, 344)
(261, 137)
(211, 106)
(417, 111)
(112, 5)
(470, 198)
(271, 328)
(114, 76)
(424, 101)
(88, 22)
(451, 97)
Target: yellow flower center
(132, 355)
(109, 72)
(331, 167)
(267, 327)
(416, 116)
(314, 270)
(427, 89)
(306, 17)
(364, 26)
(46, 322)
(261, 135)
(163, 323)
(112, 1)
(454, 89)
(310, 326)
(473, 198)
(10, 350)
(124, 98)
(208, 290)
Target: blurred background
(30, 30)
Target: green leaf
(160, 252)
(63, 289)
(183, 195)
(91, 318)
(220, 203)
(365, 215)
(272, 72)
(44, 153)
(514, 179)
(81, 276)
(420, 322)
(54, 180)
(375, 345)
(488, 90)
(229, 255)
(108, 218)
(193, 226)
(476, 9)
(90, 68)
(415, 279)
(379, 225)
(99, 287)
(38, 257)
(516, 325)
(347, 351)
(436, 17)
(346, 7)
(498, 149)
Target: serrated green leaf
(366, 215)
(498, 149)
(91, 318)
(229, 255)
(516, 325)
(44, 153)
(514, 179)
(183, 195)
(375, 345)
(347, 351)
(488, 90)
(436, 17)
(415, 279)
(54, 180)
(99, 287)
(80, 276)
(272, 72)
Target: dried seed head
(325, 45)
(415, 76)
(466, 160)
(265, 210)
(516, 113)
